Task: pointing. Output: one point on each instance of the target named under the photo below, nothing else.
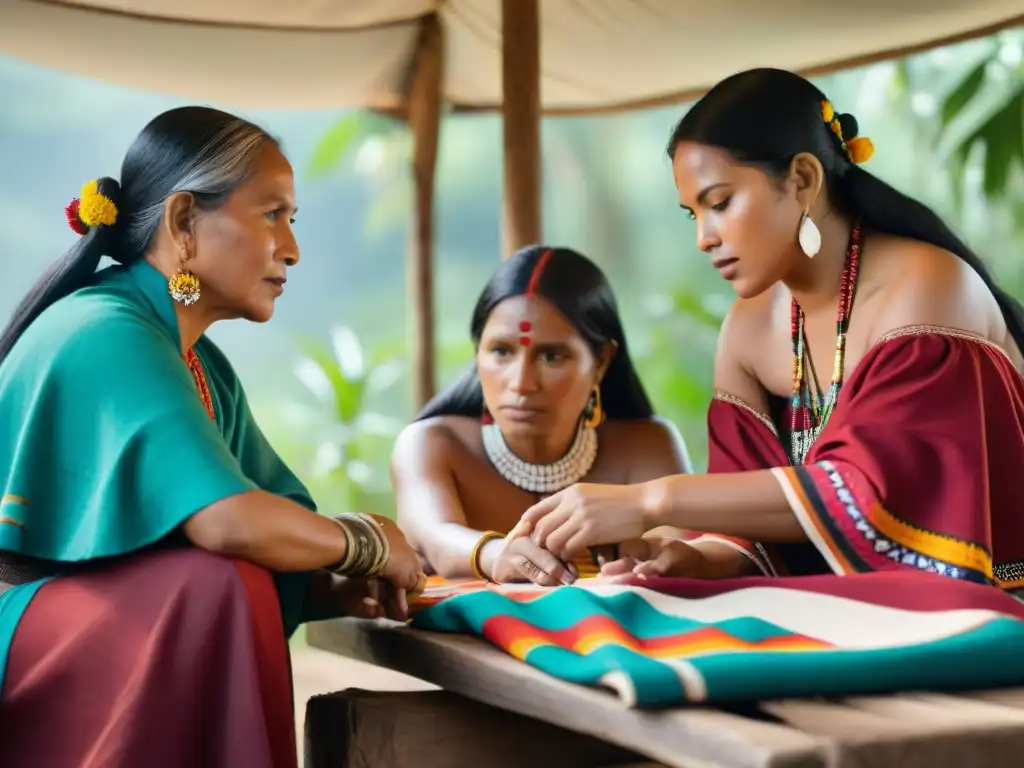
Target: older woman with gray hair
(155, 552)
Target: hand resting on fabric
(656, 556)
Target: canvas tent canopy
(595, 54)
(523, 57)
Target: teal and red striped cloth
(664, 642)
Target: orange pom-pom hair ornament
(858, 148)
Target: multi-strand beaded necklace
(811, 411)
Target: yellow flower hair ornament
(858, 148)
(92, 209)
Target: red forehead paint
(538, 269)
(525, 325)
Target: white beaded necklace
(541, 478)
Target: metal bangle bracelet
(367, 546)
(385, 546)
(374, 530)
(344, 563)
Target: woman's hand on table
(403, 571)
(368, 599)
(655, 556)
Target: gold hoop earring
(593, 415)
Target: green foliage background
(948, 127)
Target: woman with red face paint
(551, 400)
(907, 452)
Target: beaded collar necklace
(541, 478)
(810, 411)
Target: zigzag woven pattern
(664, 642)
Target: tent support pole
(424, 117)
(520, 77)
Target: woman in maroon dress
(907, 451)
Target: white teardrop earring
(809, 236)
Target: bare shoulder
(654, 447)
(433, 439)
(635, 432)
(751, 314)
(744, 331)
(926, 285)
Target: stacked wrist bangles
(367, 549)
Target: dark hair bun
(849, 125)
(110, 188)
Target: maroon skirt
(172, 659)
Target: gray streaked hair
(211, 163)
(200, 150)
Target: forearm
(268, 530)
(449, 550)
(720, 561)
(748, 505)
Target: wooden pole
(520, 78)
(424, 117)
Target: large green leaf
(695, 307)
(1004, 145)
(687, 393)
(346, 135)
(984, 112)
(344, 446)
(1001, 132)
(968, 87)
(348, 352)
(348, 393)
(899, 85)
(340, 138)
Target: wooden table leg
(438, 729)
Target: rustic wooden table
(916, 730)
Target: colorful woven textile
(663, 642)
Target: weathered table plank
(681, 738)
(912, 730)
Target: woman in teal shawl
(155, 552)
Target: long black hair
(580, 291)
(190, 149)
(764, 117)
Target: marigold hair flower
(95, 208)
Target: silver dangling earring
(809, 236)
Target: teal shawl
(106, 443)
